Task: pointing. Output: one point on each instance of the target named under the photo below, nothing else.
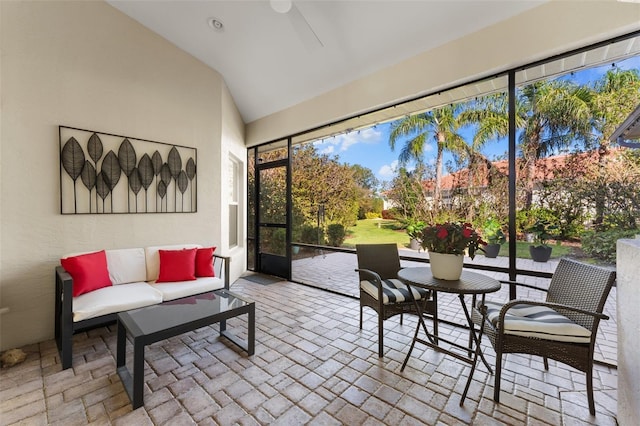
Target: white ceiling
(269, 67)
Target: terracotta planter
(492, 250)
(540, 253)
(446, 266)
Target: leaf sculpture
(162, 191)
(102, 189)
(73, 162)
(165, 178)
(127, 159)
(135, 184)
(95, 150)
(111, 172)
(145, 170)
(182, 183)
(156, 160)
(191, 174)
(88, 177)
(175, 166)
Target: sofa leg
(65, 346)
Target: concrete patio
(312, 366)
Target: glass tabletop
(155, 318)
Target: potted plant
(414, 231)
(542, 231)
(447, 244)
(494, 236)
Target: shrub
(371, 215)
(602, 245)
(335, 234)
(312, 235)
(389, 214)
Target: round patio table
(469, 283)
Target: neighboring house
(484, 176)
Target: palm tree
(617, 93)
(557, 115)
(490, 115)
(441, 124)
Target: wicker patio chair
(380, 289)
(562, 328)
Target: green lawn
(367, 231)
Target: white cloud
(388, 170)
(369, 135)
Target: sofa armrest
(64, 314)
(221, 266)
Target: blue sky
(370, 147)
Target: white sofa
(133, 273)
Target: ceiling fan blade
(309, 38)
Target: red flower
(466, 232)
(442, 233)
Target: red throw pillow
(204, 262)
(89, 272)
(177, 265)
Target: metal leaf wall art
(143, 177)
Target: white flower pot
(446, 266)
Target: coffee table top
(163, 316)
(469, 282)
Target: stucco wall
(552, 28)
(86, 65)
(628, 292)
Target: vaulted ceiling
(271, 61)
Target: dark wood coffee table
(158, 322)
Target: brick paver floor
(312, 365)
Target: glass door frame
(282, 269)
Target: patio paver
(312, 366)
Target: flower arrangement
(452, 238)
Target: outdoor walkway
(312, 365)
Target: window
(235, 177)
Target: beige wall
(554, 27)
(86, 65)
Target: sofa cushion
(113, 299)
(176, 290)
(89, 272)
(177, 265)
(152, 256)
(126, 265)
(204, 262)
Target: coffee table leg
(121, 347)
(138, 374)
(251, 337)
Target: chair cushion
(537, 321)
(393, 291)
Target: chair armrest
(374, 275)
(223, 267)
(554, 306)
(376, 279)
